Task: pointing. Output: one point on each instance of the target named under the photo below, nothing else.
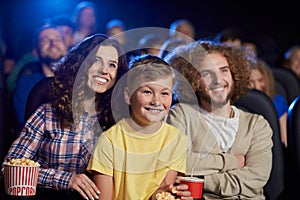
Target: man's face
(216, 81)
(51, 45)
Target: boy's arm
(168, 185)
(168, 180)
(105, 184)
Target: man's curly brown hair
(74, 67)
(187, 60)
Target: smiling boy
(142, 155)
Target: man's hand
(241, 160)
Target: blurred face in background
(117, 33)
(87, 17)
(51, 45)
(186, 30)
(257, 80)
(295, 62)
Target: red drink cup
(20, 180)
(195, 186)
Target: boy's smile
(151, 101)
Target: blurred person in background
(230, 36)
(182, 28)
(169, 45)
(292, 59)
(84, 19)
(150, 44)
(2, 53)
(67, 28)
(116, 28)
(50, 46)
(262, 79)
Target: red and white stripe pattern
(20, 180)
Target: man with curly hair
(229, 147)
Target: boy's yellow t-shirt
(138, 162)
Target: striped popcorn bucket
(20, 180)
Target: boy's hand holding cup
(195, 186)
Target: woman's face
(257, 80)
(295, 62)
(103, 72)
(87, 17)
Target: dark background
(272, 25)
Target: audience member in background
(169, 45)
(2, 53)
(269, 50)
(116, 28)
(11, 80)
(231, 148)
(262, 79)
(21, 50)
(8, 60)
(60, 135)
(142, 137)
(150, 44)
(251, 46)
(182, 28)
(230, 36)
(84, 19)
(292, 59)
(67, 28)
(3, 45)
(50, 46)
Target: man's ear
(127, 95)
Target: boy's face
(151, 101)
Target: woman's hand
(85, 186)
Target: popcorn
(174, 190)
(166, 195)
(22, 162)
(21, 176)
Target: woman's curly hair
(69, 89)
(187, 60)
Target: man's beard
(48, 61)
(206, 97)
